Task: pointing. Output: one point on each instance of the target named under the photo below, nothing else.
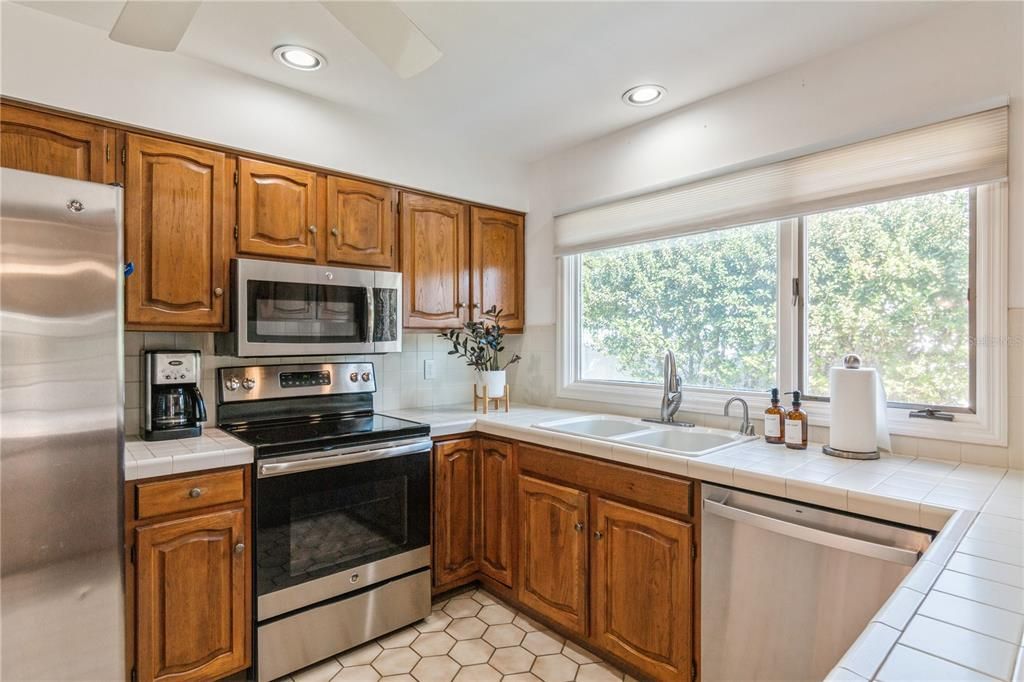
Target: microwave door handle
(370, 314)
(200, 404)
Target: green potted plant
(479, 343)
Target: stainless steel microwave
(281, 309)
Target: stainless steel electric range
(341, 509)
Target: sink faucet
(672, 397)
(746, 428)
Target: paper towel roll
(857, 421)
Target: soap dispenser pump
(796, 424)
(774, 421)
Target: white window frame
(986, 425)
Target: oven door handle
(296, 466)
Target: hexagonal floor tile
(483, 598)
(504, 635)
(527, 624)
(435, 669)
(495, 614)
(462, 607)
(466, 628)
(363, 655)
(579, 654)
(478, 673)
(398, 678)
(359, 673)
(319, 672)
(471, 651)
(400, 638)
(396, 661)
(521, 677)
(512, 660)
(598, 672)
(542, 643)
(554, 668)
(433, 644)
(435, 622)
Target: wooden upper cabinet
(551, 576)
(191, 606)
(455, 515)
(55, 145)
(643, 589)
(277, 211)
(360, 223)
(497, 490)
(435, 262)
(176, 232)
(498, 265)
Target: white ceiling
(521, 80)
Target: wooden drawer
(188, 493)
(623, 482)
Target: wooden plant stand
(487, 399)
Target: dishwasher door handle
(896, 555)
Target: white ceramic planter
(494, 380)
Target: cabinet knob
(312, 228)
(334, 231)
(476, 306)
(218, 292)
(195, 492)
(460, 305)
(239, 548)
(578, 526)
(598, 535)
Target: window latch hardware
(931, 413)
(796, 290)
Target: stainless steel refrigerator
(61, 429)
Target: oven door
(339, 521)
(301, 309)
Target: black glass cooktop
(272, 438)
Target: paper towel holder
(851, 361)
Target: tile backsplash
(400, 376)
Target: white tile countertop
(958, 615)
(212, 450)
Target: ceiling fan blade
(156, 25)
(386, 30)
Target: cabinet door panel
(191, 586)
(498, 265)
(643, 588)
(175, 233)
(276, 210)
(552, 572)
(435, 262)
(54, 145)
(455, 517)
(361, 220)
(497, 485)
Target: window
(712, 294)
(749, 308)
(890, 282)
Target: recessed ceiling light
(298, 57)
(643, 95)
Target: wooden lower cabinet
(496, 483)
(642, 590)
(552, 571)
(188, 577)
(455, 510)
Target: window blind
(963, 151)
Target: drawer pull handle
(239, 548)
(195, 492)
(578, 526)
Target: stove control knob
(353, 377)
(232, 384)
(248, 383)
(366, 376)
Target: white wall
(958, 61)
(56, 62)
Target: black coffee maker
(173, 405)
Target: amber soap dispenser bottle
(796, 425)
(774, 421)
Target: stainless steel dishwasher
(786, 588)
